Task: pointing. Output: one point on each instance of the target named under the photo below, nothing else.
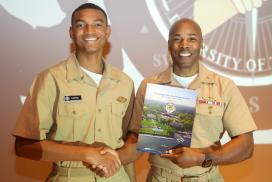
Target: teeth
(184, 54)
(91, 38)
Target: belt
(175, 177)
(73, 172)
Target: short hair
(88, 6)
(182, 21)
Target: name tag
(68, 98)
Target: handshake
(102, 160)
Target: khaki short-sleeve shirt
(64, 104)
(220, 107)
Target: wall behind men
(237, 43)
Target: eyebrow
(100, 20)
(190, 34)
(193, 34)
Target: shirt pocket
(72, 120)
(118, 111)
(210, 110)
(208, 123)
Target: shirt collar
(204, 76)
(75, 73)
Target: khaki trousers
(60, 174)
(164, 175)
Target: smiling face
(89, 31)
(184, 44)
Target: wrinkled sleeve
(136, 118)
(36, 117)
(237, 118)
(127, 117)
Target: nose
(89, 28)
(184, 44)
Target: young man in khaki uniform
(220, 107)
(77, 112)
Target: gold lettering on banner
(235, 63)
(254, 104)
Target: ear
(168, 44)
(71, 33)
(169, 58)
(108, 31)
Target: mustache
(90, 35)
(184, 50)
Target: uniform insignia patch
(121, 99)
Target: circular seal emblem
(237, 36)
(170, 108)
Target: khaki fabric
(83, 175)
(70, 175)
(64, 104)
(130, 170)
(165, 175)
(226, 111)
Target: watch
(207, 161)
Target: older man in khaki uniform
(220, 107)
(79, 108)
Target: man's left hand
(185, 157)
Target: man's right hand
(104, 164)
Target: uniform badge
(121, 99)
(210, 101)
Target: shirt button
(74, 112)
(99, 130)
(99, 110)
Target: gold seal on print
(170, 108)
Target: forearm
(47, 150)
(238, 149)
(52, 151)
(129, 153)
